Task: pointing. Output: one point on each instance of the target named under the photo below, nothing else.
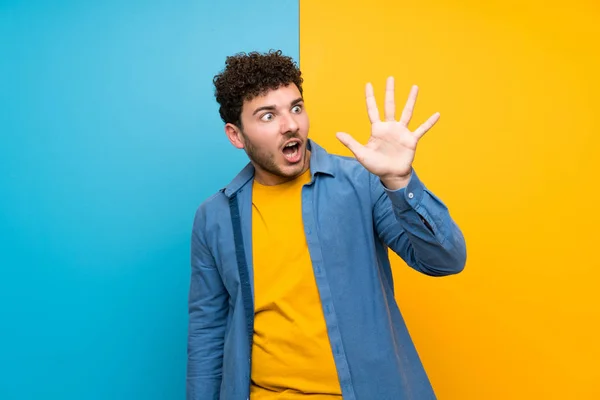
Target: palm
(390, 150)
(390, 147)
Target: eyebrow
(273, 108)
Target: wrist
(396, 182)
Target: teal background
(109, 140)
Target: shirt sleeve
(208, 308)
(417, 226)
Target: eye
(267, 117)
(297, 109)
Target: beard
(267, 160)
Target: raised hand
(390, 151)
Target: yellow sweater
(291, 354)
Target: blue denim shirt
(350, 222)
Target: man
(291, 292)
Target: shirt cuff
(408, 197)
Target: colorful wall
(110, 138)
(515, 156)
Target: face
(274, 135)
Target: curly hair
(247, 76)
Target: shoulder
(211, 208)
(348, 170)
(345, 164)
(342, 168)
(214, 210)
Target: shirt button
(411, 195)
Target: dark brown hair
(249, 75)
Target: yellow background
(514, 156)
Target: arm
(208, 307)
(417, 226)
(408, 218)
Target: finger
(390, 106)
(371, 104)
(355, 147)
(427, 125)
(409, 106)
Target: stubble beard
(266, 161)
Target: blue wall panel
(109, 140)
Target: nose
(289, 124)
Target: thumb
(351, 143)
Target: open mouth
(291, 151)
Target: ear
(234, 135)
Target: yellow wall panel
(515, 156)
